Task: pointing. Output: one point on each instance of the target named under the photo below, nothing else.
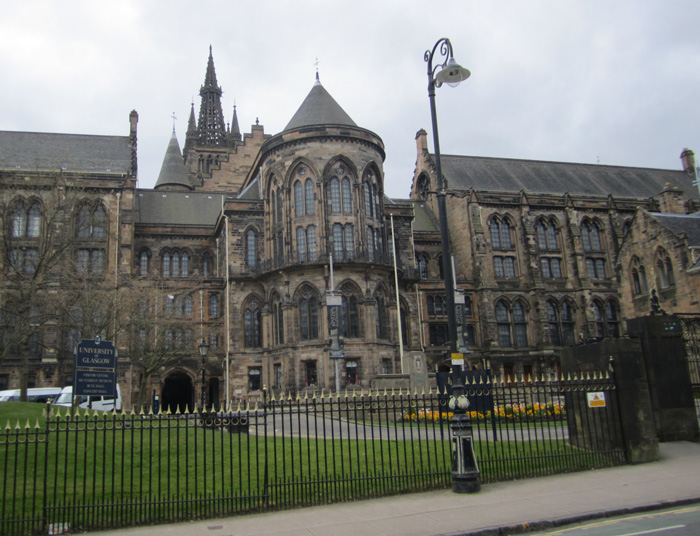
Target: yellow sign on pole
(458, 359)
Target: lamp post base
(466, 483)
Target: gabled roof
(177, 208)
(252, 191)
(41, 151)
(173, 172)
(532, 176)
(319, 108)
(681, 224)
(424, 220)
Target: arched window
(279, 205)
(83, 223)
(422, 266)
(91, 223)
(349, 241)
(639, 277)
(310, 197)
(298, 199)
(185, 264)
(19, 222)
(511, 325)
(187, 307)
(547, 235)
(501, 233)
(143, 263)
(370, 192)
(561, 324)
(301, 244)
(250, 248)
(175, 264)
(33, 221)
(607, 319)
(423, 187)
(338, 241)
(664, 269)
(252, 325)
(165, 265)
(335, 195)
(591, 236)
(347, 196)
(207, 265)
(213, 306)
(308, 319)
(381, 317)
(99, 218)
(311, 242)
(349, 317)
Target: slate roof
(252, 191)
(72, 152)
(424, 220)
(532, 176)
(319, 108)
(177, 208)
(678, 224)
(173, 171)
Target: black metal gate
(691, 334)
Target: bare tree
(45, 261)
(160, 328)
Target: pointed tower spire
(235, 129)
(191, 136)
(211, 129)
(173, 175)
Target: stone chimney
(133, 122)
(688, 160)
(421, 141)
(672, 200)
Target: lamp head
(203, 349)
(452, 74)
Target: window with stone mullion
(335, 195)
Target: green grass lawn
(169, 469)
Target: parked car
(35, 394)
(100, 403)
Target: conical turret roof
(319, 108)
(173, 172)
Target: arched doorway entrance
(178, 393)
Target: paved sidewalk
(501, 508)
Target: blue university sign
(95, 368)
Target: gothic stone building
(233, 246)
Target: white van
(99, 403)
(35, 394)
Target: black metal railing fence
(91, 471)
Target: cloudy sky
(610, 82)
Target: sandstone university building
(232, 246)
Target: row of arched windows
(512, 322)
(308, 308)
(175, 264)
(665, 277)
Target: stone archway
(178, 393)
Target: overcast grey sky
(614, 82)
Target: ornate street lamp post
(203, 350)
(465, 474)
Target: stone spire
(235, 129)
(173, 175)
(211, 130)
(191, 135)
